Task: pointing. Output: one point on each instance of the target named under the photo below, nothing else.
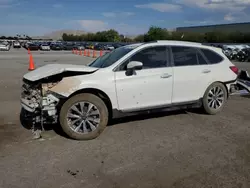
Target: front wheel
(214, 98)
(84, 116)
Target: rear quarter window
(212, 56)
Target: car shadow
(58, 130)
(126, 119)
(246, 96)
(28, 124)
(47, 127)
(144, 116)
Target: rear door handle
(166, 75)
(206, 71)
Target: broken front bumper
(47, 103)
(27, 105)
(41, 105)
(45, 111)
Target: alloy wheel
(83, 117)
(215, 98)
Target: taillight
(234, 69)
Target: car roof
(176, 42)
(169, 42)
(133, 45)
(180, 43)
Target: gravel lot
(182, 149)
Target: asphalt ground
(181, 149)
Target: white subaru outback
(130, 79)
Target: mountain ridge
(57, 35)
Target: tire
(221, 98)
(25, 119)
(99, 106)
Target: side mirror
(132, 66)
(136, 65)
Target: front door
(150, 87)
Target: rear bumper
(4, 49)
(241, 84)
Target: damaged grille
(25, 90)
(31, 96)
(28, 90)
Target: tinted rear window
(212, 57)
(201, 60)
(184, 56)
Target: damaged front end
(43, 90)
(39, 102)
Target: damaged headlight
(31, 96)
(31, 91)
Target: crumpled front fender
(69, 85)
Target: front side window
(153, 57)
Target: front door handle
(166, 75)
(206, 71)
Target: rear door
(191, 74)
(217, 66)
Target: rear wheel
(214, 98)
(84, 116)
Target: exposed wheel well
(100, 94)
(226, 88)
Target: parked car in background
(109, 47)
(79, 47)
(90, 46)
(117, 45)
(68, 46)
(16, 44)
(33, 47)
(4, 46)
(237, 52)
(56, 47)
(143, 77)
(99, 47)
(44, 47)
(26, 45)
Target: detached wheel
(84, 116)
(214, 98)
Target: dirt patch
(11, 132)
(8, 134)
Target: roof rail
(164, 41)
(187, 42)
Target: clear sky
(129, 17)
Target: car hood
(55, 69)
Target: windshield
(110, 58)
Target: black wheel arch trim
(230, 81)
